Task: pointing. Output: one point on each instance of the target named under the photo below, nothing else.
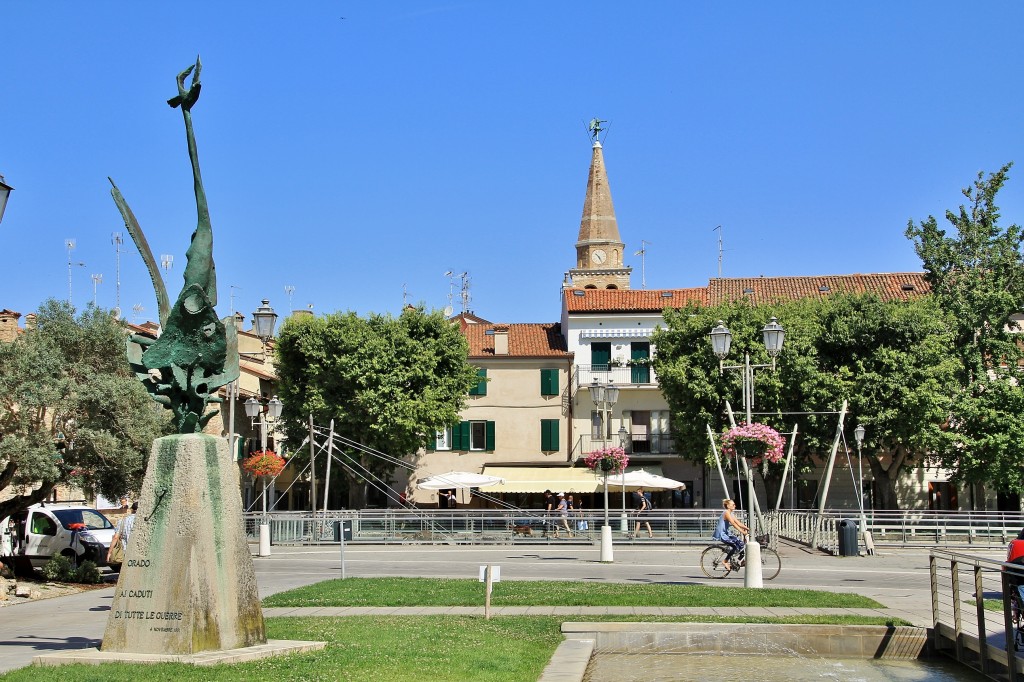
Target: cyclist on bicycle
(1015, 555)
(724, 531)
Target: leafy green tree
(977, 276)
(389, 383)
(889, 359)
(71, 412)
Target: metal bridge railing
(906, 528)
(398, 526)
(971, 612)
(685, 526)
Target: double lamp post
(721, 341)
(604, 397)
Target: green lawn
(438, 592)
(386, 649)
(452, 648)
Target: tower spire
(599, 249)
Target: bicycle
(1017, 618)
(712, 560)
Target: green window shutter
(600, 355)
(549, 382)
(481, 386)
(548, 435)
(460, 436)
(490, 437)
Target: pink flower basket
(607, 460)
(759, 442)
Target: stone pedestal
(187, 584)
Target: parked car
(44, 531)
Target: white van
(45, 530)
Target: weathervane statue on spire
(595, 128)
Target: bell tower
(599, 250)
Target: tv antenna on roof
(719, 229)
(289, 289)
(117, 240)
(643, 262)
(136, 311)
(97, 279)
(70, 245)
(464, 293)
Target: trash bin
(342, 528)
(848, 538)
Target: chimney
(8, 325)
(30, 321)
(501, 339)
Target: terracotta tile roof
(632, 300)
(888, 286)
(526, 340)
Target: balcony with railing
(620, 375)
(638, 446)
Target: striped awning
(555, 479)
(636, 333)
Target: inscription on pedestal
(187, 583)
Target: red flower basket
(264, 463)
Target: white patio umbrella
(458, 479)
(643, 479)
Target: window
(481, 385)
(43, 525)
(640, 358)
(477, 435)
(549, 382)
(596, 422)
(942, 496)
(548, 435)
(443, 441)
(600, 356)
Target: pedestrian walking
(643, 506)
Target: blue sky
(357, 151)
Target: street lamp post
(623, 520)
(267, 420)
(858, 435)
(721, 341)
(604, 397)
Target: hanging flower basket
(607, 460)
(264, 463)
(758, 442)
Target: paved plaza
(898, 579)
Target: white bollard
(624, 523)
(606, 544)
(752, 576)
(264, 540)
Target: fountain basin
(637, 646)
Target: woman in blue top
(724, 533)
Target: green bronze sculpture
(197, 353)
